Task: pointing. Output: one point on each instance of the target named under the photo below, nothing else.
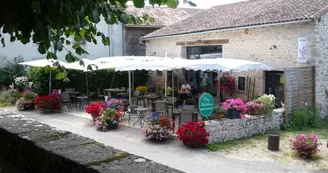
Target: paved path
(172, 153)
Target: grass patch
(321, 132)
(3, 105)
(226, 146)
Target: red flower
(95, 109)
(50, 102)
(193, 134)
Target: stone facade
(232, 129)
(321, 64)
(256, 44)
(39, 148)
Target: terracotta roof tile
(247, 13)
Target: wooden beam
(203, 42)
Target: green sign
(205, 104)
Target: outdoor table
(73, 95)
(142, 113)
(152, 99)
(82, 100)
(113, 91)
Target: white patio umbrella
(44, 63)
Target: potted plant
(254, 108)
(47, 104)
(158, 128)
(235, 108)
(219, 112)
(268, 102)
(108, 120)
(94, 110)
(26, 101)
(193, 134)
(227, 84)
(305, 146)
(142, 90)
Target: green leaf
(68, 42)
(60, 75)
(139, 3)
(172, 3)
(95, 18)
(77, 37)
(42, 48)
(3, 42)
(50, 55)
(71, 58)
(106, 41)
(81, 63)
(12, 39)
(81, 51)
(75, 46)
(25, 40)
(89, 67)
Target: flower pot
(254, 111)
(233, 113)
(219, 116)
(111, 125)
(29, 106)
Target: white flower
(21, 81)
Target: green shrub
(77, 79)
(268, 102)
(304, 118)
(11, 70)
(9, 97)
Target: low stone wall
(232, 129)
(39, 148)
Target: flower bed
(158, 128)
(193, 134)
(47, 104)
(26, 101)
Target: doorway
(274, 84)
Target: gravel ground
(257, 150)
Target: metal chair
(65, 100)
(160, 106)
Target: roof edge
(320, 13)
(231, 28)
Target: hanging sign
(302, 50)
(205, 104)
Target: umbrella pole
(173, 86)
(50, 82)
(219, 92)
(87, 84)
(165, 83)
(130, 101)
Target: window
(204, 52)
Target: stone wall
(232, 129)
(321, 64)
(39, 148)
(252, 45)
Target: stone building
(291, 36)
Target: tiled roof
(163, 16)
(244, 14)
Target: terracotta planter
(94, 117)
(219, 116)
(254, 111)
